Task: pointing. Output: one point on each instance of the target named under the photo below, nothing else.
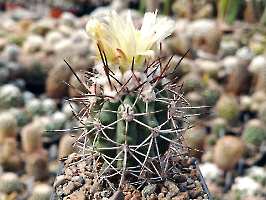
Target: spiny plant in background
(129, 122)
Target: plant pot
(56, 12)
(12, 6)
(193, 164)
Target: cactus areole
(129, 121)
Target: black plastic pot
(193, 163)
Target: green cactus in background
(10, 96)
(129, 120)
(9, 182)
(227, 107)
(20, 115)
(254, 132)
(33, 107)
(42, 192)
(48, 106)
(211, 93)
(218, 126)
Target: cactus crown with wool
(129, 121)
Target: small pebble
(106, 193)
(128, 197)
(78, 195)
(164, 190)
(136, 193)
(148, 190)
(118, 195)
(71, 186)
(75, 178)
(60, 180)
(80, 180)
(181, 196)
(194, 194)
(183, 187)
(160, 196)
(97, 196)
(153, 196)
(172, 187)
(95, 188)
(180, 178)
(135, 197)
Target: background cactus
(10, 96)
(10, 159)
(20, 115)
(9, 182)
(195, 139)
(227, 107)
(41, 192)
(218, 126)
(227, 151)
(254, 132)
(33, 107)
(37, 164)
(31, 137)
(8, 126)
(54, 87)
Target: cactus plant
(227, 151)
(238, 79)
(8, 126)
(211, 93)
(218, 126)
(48, 106)
(33, 107)
(227, 107)
(10, 96)
(41, 192)
(11, 52)
(10, 160)
(254, 132)
(195, 138)
(54, 87)
(31, 137)
(37, 164)
(4, 72)
(65, 147)
(262, 113)
(129, 121)
(20, 115)
(9, 182)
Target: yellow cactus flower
(120, 41)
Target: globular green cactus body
(254, 132)
(127, 130)
(227, 107)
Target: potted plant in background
(13, 4)
(132, 144)
(57, 7)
